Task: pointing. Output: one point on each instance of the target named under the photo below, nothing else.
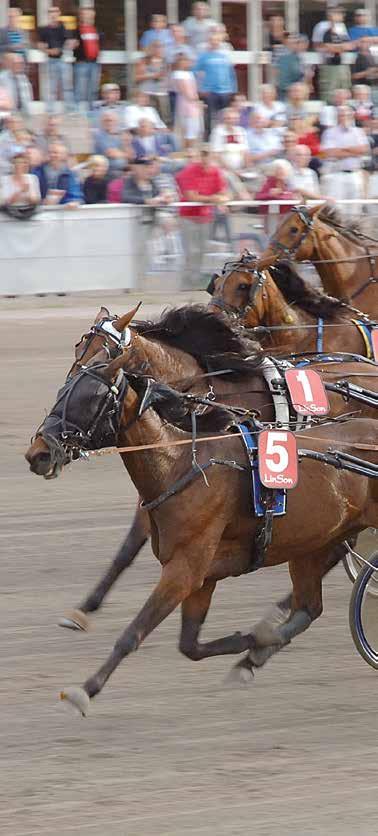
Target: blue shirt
(150, 35)
(217, 72)
(356, 32)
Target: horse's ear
(102, 314)
(313, 210)
(123, 321)
(211, 286)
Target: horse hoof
(77, 620)
(241, 674)
(78, 698)
(265, 634)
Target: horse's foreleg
(136, 538)
(194, 612)
(176, 583)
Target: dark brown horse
(345, 258)
(280, 297)
(204, 533)
(181, 346)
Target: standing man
(52, 40)
(198, 26)
(343, 149)
(87, 70)
(200, 182)
(13, 38)
(216, 78)
(14, 80)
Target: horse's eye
(243, 286)
(293, 230)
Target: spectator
(335, 17)
(264, 143)
(239, 102)
(224, 38)
(277, 186)
(148, 142)
(217, 78)
(52, 40)
(58, 183)
(179, 46)
(304, 180)
(289, 143)
(198, 26)
(51, 133)
(365, 67)
(343, 149)
(289, 65)
(167, 240)
(14, 38)
(297, 101)
(140, 108)
(276, 35)
(229, 142)
(272, 111)
(20, 188)
(188, 107)
(108, 141)
(328, 113)
(11, 138)
(304, 136)
(15, 82)
(333, 73)
(202, 182)
(96, 185)
(151, 75)
(87, 70)
(115, 187)
(5, 106)
(140, 188)
(362, 27)
(362, 104)
(159, 33)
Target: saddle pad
(258, 491)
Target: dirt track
(167, 750)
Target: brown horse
(203, 533)
(345, 258)
(181, 346)
(278, 298)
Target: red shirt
(206, 181)
(265, 193)
(90, 41)
(311, 139)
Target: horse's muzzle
(42, 460)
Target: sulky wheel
(363, 612)
(366, 544)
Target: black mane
(351, 229)
(206, 337)
(297, 291)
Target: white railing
(62, 250)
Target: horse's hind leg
(306, 605)
(136, 538)
(194, 611)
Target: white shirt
(197, 31)
(339, 137)
(276, 111)
(134, 113)
(8, 187)
(266, 140)
(305, 179)
(233, 153)
(322, 27)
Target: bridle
(307, 220)
(241, 266)
(113, 344)
(64, 437)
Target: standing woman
(20, 188)
(188, 106)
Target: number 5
(275, 449)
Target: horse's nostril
(40, 463)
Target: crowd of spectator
(185, 131)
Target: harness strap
(319, 335)
(366, 335)
(184, 481)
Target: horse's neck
(152, 471)
(341, 278)
(278, 312)
(161, 361)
